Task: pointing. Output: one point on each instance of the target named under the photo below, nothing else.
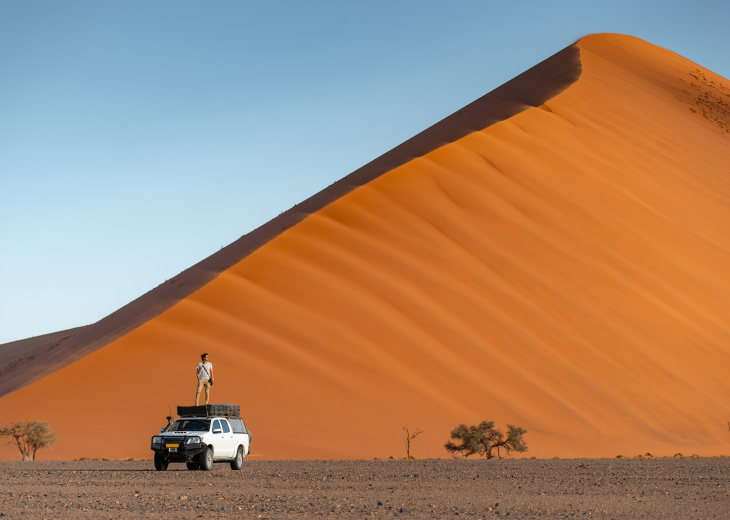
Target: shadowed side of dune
(54, 351)
(32, 358)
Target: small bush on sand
(484, 439)
(28, 436)
(645, 456)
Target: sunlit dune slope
(23, 362)
(564, 270)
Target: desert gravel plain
(555, 488)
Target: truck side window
(225, 426)
(216, 425)
(237, 426)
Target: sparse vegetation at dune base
(485, 439)
(410, 435)
(29, 437)
(650, 456)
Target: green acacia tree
(29, 436)
(484, 440)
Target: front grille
(180, 441)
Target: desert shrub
(642, 456)
(485, 439)
(29, 436)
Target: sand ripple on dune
(563, 270)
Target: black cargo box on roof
(208, 410)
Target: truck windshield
(190, 425)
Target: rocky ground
(583, 488)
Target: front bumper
(177, 449)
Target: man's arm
(211, 372)
(197, 370)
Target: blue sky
(139, 137)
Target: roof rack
(209, 410)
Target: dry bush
(29, 436)
(483, 439)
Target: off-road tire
(237, 463)
(205, 460)
(160, 463)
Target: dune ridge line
(28, 360)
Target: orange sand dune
(564, 269)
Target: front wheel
(160, 463)
(205, 460)
(237, 463)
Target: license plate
(172, 449)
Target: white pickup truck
(201, 436)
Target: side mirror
(217, 430)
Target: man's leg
(207, 391)
(197, 392)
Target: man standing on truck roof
(205, 377)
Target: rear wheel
(237, 463)
(205, 460)
(160, 463)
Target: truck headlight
(192, 440)
(156, 440)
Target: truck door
(221, 447)
(227, 442)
